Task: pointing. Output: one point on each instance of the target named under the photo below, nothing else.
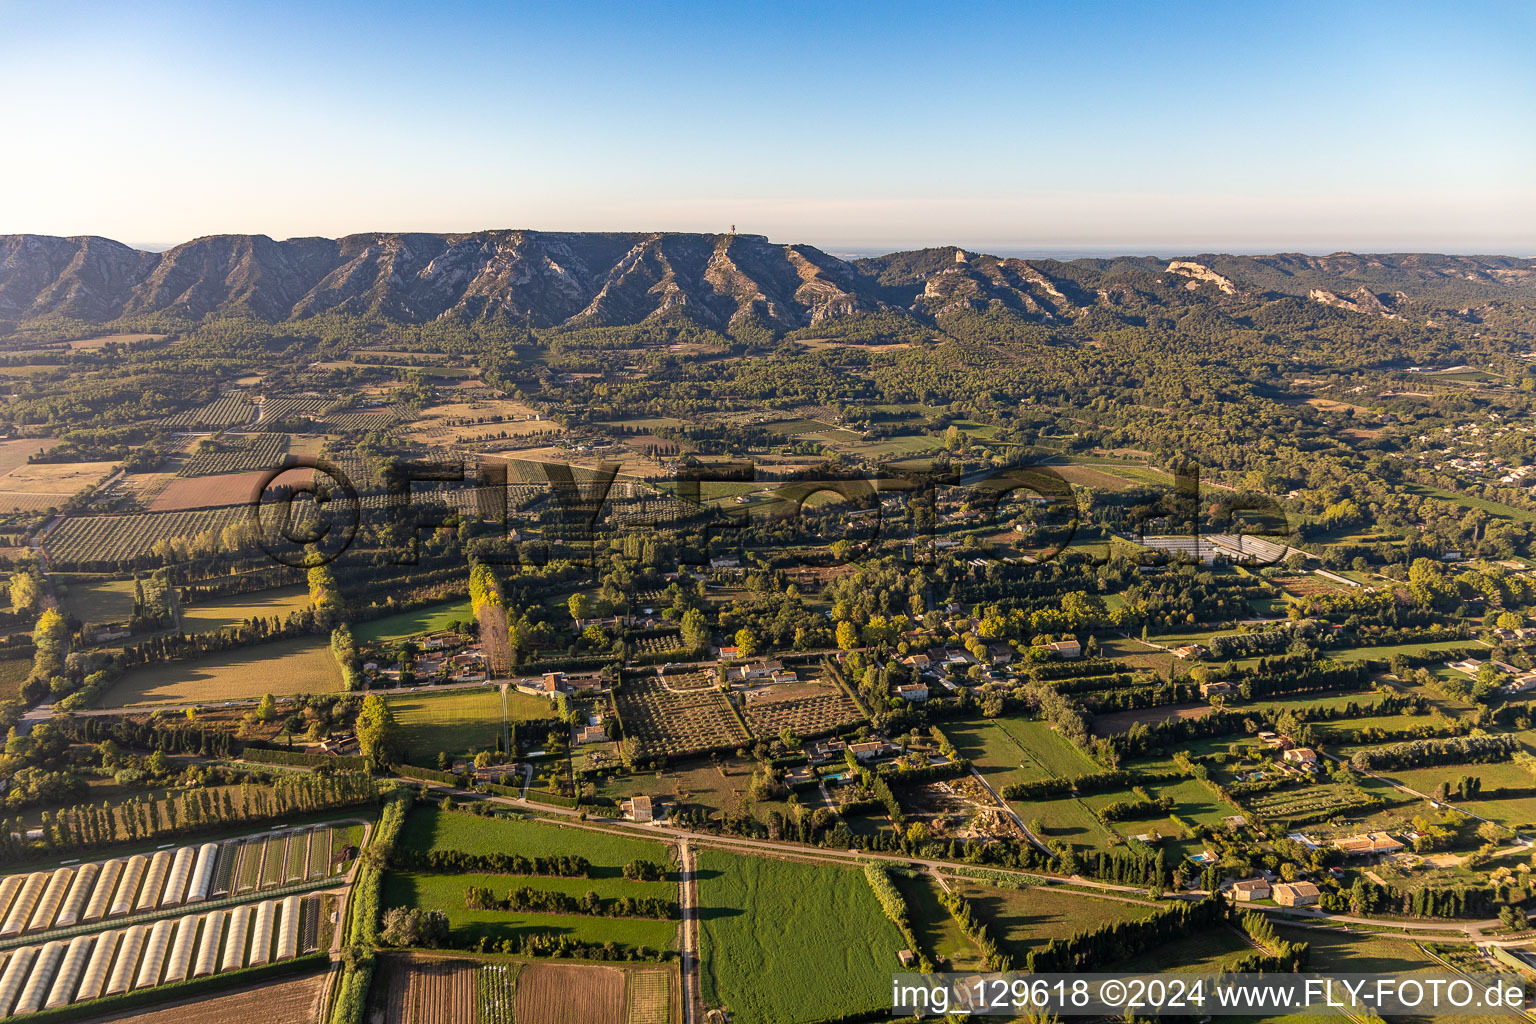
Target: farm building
(261, 933)
(52, 899)
(202, 872)
(176, 879)
(208, 944)
(14, 977)
(179, 963)
(1365, 844)
(67, 980)
(1250, 890)
(1295, 894)
(152, 960)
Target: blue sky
(1147, 127)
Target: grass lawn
(231, 611)
(785, 942)
(1048, 748)
(1023, 919)
(1066, 818)
(994, 752)
(724, 788)
(95, 599)
(459, 721)
(303, 665)
(428, 619)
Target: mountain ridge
(721, 281)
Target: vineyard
(669, 642)
(1306, 805)
(221, 412)
(672, 724)
(81, 540)
(803, 716)
(265, 451)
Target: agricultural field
(937, 931)
(427, 619)
(221, 412)
(1024, 919)
(805, 709)
(429, 829)
(304, 665)
(768, 927)
(84, 539)
(1207, 952)
(286, 1001)
(223, 612)
(259, 452)
(223, 489)
(42, 485)
(672, 723)
(96, 600)
(14, 453)
(994, 753)
(423, 991)
(454, 422)
(570, 994)
(13, 673)
(462, 721)
(446, 893)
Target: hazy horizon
(1088, 128)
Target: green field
(1493, 508)
(231, 611)
(1048, 748)
(1208, 951)
(428, 619)
(994, 752)
(459, 721)
(283, 667)
(937, 931)
(430, 829)
(1025, 918)
(769, 929)
(95, 600)
(446, 893)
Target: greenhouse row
(84, 893)
(171, 949)
(89, 892)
